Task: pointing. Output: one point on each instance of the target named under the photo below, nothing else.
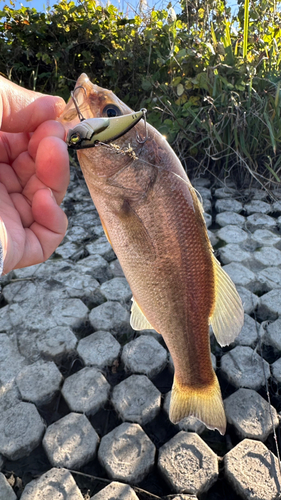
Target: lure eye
(74, 139)
(111, 110)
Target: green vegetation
(210, 81)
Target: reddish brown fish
(154, 221)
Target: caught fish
(154, 221)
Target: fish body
(154, 222)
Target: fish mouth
(69, 117)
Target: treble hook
(139, 139)
(80, 116)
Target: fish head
(93, 102)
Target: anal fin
(228, 316)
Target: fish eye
(111, 110)
(75, 138)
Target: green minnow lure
(91, 131)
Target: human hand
(34, 175)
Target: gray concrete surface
(66, 344)
(136, 399)
(56, 484)
(250, 414)
(70, 442)
(188, 464)
(86, 391)
(253, 471)
(116, 491)
(127, 453)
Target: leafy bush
(211, 82)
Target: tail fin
(205, 404)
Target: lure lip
(91, 131)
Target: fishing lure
(92, 131)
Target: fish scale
(154, 221)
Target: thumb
(22, 110)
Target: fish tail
(203, 403)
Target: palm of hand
(33, 180)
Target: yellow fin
(105, 231)
(138, 320)
(205, 404)
(228, 316)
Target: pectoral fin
(105, 231)
(138, 320)
(228, 316)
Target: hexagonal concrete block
(260, 221)
(144, 355)
(253, 471)
(267, 256)
(136, 399)
(249, 300)
(255, 193)
(86, 391)
(185, 497)
(116, 269)
(204, 192)
(116, 491)
(99, 349)
(233, 253)
(212, 237)
(257, 206)
(242, 276)
(110, 316)
(230, 218)
(276, 370)
(21, 430)
(116, 289)
(243, 367)
(266, 238)
(56, 484)
(188, 464)
(250, 333)
(232, 234)
(208, 218)
(6, 491)
(225, 192)
(190, 423)
(39, 382)
(11, 361)
(96, 267)
(199, 182)
(77, 284)
(269, 278)
(250, 414)
(272, 336)
(127, 453)
(270, 305)
(102, 247)
(228, 205)
(56, 343)
(70, 442)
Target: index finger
(22, 110)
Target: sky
(133, 5)
(40, 5)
